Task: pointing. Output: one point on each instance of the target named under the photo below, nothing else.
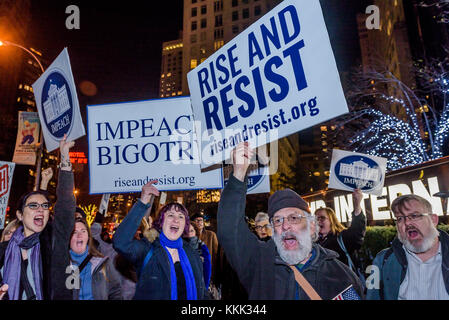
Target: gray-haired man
(416, 267)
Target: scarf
(13, 261)
(85, 292)
(185, 265)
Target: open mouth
(289, 241)
(413, 233)
(39, 221)
(174, 229)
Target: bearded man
(268, 270)
(416, 265)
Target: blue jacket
(392, 264)
(154, 280)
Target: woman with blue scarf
(168, 268)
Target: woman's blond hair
(336, 226)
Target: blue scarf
(13, 259)
(85, 275)
(185, 265)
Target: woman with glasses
(262, 226)
(30, 268)
(333, 235)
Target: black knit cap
(286, 198)
(197, 215)
(81, 211)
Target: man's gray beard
(293, 257)
(427, 243)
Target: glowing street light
(39, 149)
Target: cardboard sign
(275, 78)
(258, 178)
(57, 103)
(27, 138)
(351, 170)
(6, 174)
(136, 142)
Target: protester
(202, 250)
(179, 279)
(331, 231)
(98, 280)
(9, 230)
(210, 239)
(415, 266)
(268, 269)
(262, 226)
(34, 261)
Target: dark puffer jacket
(154, 280)
(259, 267)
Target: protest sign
(136, 142)
(351, 170)
(6, 174)
(104, 203)
(275, 78)
(258, 178)
(27, 138)
(57, 103)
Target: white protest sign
(258, 178)
(352, 170)
(6, 174)
(57, 103)
(136, 142)
(104, 204)
(27, 138)
(275, 78)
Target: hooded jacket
(260, 269)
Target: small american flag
(348, 294)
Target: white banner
(352, 170)
(27, 138)
(258, 178)
(6, 175)
(135, 142)
(275, 78)
(57, 103)
(104, 204)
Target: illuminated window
(323, 128)
(218, 44)
(193, 63)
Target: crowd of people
(52, 253)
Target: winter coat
(392, 265)
(258, 265)
(154, 279)
(352, 238)
(105, 280)
(54, 254)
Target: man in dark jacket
(266, 269)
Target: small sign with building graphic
(351, 170)
(57, 103)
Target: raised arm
(238, 242)
(123, 240)
(63, 224)
(354, 235)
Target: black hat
(285, 199)
(197, 215)
(81, 211)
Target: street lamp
(39, 149)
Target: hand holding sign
(148, 191)
(241, 157)
(64, 147)
(357, 197)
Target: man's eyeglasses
(259, 228)
(292, 219)
(35, 205)
(411, 217)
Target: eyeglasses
(292, 219)
(259, 228)
(35, 205)
(411, 217)
(321, 218)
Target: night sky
(118, 46)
